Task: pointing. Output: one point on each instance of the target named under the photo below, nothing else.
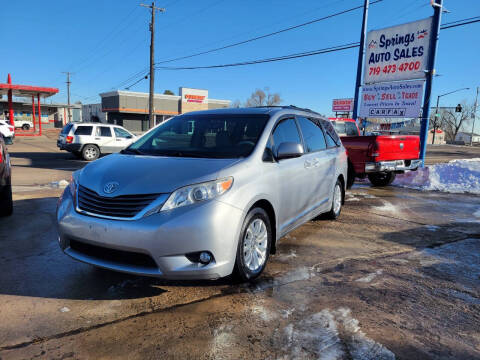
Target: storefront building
(130, 109)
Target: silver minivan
(205, 194)
(90, 140)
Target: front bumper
(165, 238)
(394, 165)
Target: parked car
(7, 131)
(23, 124)
(6, 202)
(378, 157)
(204, 194)
(89, 140)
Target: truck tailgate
(397, 147)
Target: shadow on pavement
(32, 264)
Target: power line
(267, 35)
(260, 61)
(457, 21)
(136, 82)
(443, 27)
(296, 55)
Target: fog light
(205, 257)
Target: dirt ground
(397, 276)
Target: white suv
(89, 140)
(7, 131)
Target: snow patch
(371, 276)
(432, 227)
(387, 206)
(59, 184)
(285, 257)
(331, 335)
(64, 309)
(456, 176)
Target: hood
(149, 174)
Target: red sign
(194, 98)
(342, 105)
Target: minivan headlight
(196, 193)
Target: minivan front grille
(112, 255)
(124, 206)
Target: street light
(436, 111)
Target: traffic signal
(458, 108)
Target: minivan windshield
(206, 136)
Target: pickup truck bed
(378, 157)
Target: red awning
(27, 90)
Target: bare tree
(236, 104)
(263, 98)
(452, 122)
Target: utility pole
(474, 118)
(68, 94)
(437, 14)
(361, 55)
(151, 114)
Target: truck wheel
(90, 152)
(381, 179)
(25, 126)
(6, 201)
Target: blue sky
(104, 42)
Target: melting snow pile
(456, 176)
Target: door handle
(97, 138)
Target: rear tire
(381, 179)
(337, 200)
(90, 152)
(6, 201)
(25, 127)
(253, 246)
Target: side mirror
(289, 150)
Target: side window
(286, 131)
(312, 135)
(84, 130)
(104, 131)
(330, 142)
(330, 130)
(120, 133)
(351, 129)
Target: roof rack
(287, 107)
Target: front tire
(381, 179)
(337, 201)
(6, 201)
(253, 246)
(90, 152)
(25, 127)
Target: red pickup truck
(378, 157)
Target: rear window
(66, 129)
(351, 129)
(84, 130)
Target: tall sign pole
(361, 55)
(474, 117)
(151, 114)
(437, 14)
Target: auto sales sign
(398, 52)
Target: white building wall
(90, 110)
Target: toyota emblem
(110, 187)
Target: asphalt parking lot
(397, 276)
